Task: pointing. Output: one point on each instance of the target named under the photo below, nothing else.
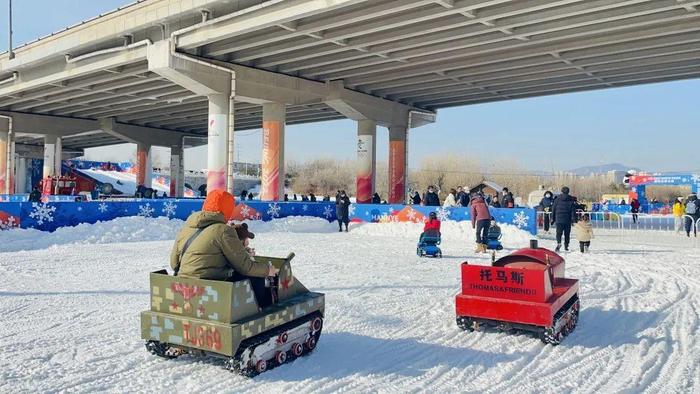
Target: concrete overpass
(157, 71)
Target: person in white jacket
(451, 199)
(584, 233)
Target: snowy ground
(70, 315)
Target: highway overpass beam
(274, 115)
(366, 160)
(177, 171)
(144, 165)
(398, 164)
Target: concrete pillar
(218, 142)
(4, 163)
(12, 164)
(366, 160)
(21, 176)
(144, 166)
(272, 188)
(49, 155)
(177, 171)
(398, 164)
(58, 156)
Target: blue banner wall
(52, 215)
(523, 218)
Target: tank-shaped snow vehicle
(525, 290)
(222, 319)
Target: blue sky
(655, 127)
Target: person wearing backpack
(692, 214)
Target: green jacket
(216, 252)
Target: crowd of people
(460, 197)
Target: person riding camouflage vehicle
(223, 301)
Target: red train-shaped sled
(525, 291)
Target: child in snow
(494, 233)
(432, 226)
(584, 233)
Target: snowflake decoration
(351, 209)
(304, 207)
(411, 215)
(146, 210)
(102, 207)
(327, 212)
(520, 219)
(42, 213)
(443, 214)
(695, 178)
(274, 210)
(9, 224)
(80, 209)
(169, 209)
(245, 211)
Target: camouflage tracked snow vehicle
(222, 319)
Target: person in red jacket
(432, 224)
(481, 220)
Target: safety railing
(599, 220)
(641, 221)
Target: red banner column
(366, 160)
(272, 188)
(398, 154)
(144, 167)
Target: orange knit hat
(219, 201)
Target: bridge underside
(371, 61)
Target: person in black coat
(507, 201)
(35, 195)
(342, 210)
(416, 198)
(376, 199)
(312, 197)
(564, 216)
(430, 198)
(546, 205)
(462, 197)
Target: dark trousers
(342, 221)
(482, 229)
(689, 225)
(635, 217)
(582, 245)
(564, 229)
(262, 294)
(547, 219)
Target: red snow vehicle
(525, 290)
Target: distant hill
(602, 169)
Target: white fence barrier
(599, 220)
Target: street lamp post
(9, 35)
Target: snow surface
(71, 308)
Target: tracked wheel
(160, 349)
(297, 349)
(465, 323)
